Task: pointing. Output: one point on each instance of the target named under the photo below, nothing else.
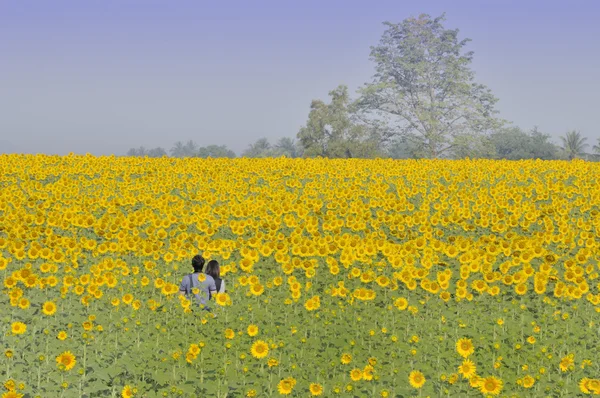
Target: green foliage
(512, 143)
(424, 83)
(187, 150)
(151, 153)
(573, 144)
(333, 131)
(260, 149)
(215, 151)
(596, 148)
(288, 147)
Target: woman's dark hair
(198, 263)
(213, 269)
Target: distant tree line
(423, 102)
(262, 148)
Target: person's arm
(222, 290)
(183, 287)
(212, 287)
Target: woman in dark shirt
(213, 269)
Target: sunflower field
(350, 278)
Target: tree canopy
(331, 130)
(573, 144)
(423, 82)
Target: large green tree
(332, 130)
(424, 85)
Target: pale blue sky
(103, 76)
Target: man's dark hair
(198, 263)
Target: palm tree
(596, 148)
(573, 144)
(178, 150)
(288, 147)
(260, 149)
(190, 149)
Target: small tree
(573, 144)
(288, 147)
(513, 143)
(141, 151)
(215, 151)
(151, 153)
(332, 130)
(157, 152)
(260, 149)
(541, 146)
(181, 150)
(596, 147)
(178, 149)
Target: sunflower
(416, 379)
(346, 359)
(128, 298)
(66, 361)
(62, 335)
(528, 381)
(49, 308)
(18, 328)
(356, 374)
(127, 392)
(10, 385)
(401, 303)
(464, 347)
(567, 362)
(286, 385)
(229, 334)
(315, 389)
(521, 289)
(23, 303)
(584, 385)
(12, 394)
(490, 385)
(222, 299)
(194, 349)
(467, 369)
(259, 349)
(257, 289)
(252, 330)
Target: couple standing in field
(208, 283)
